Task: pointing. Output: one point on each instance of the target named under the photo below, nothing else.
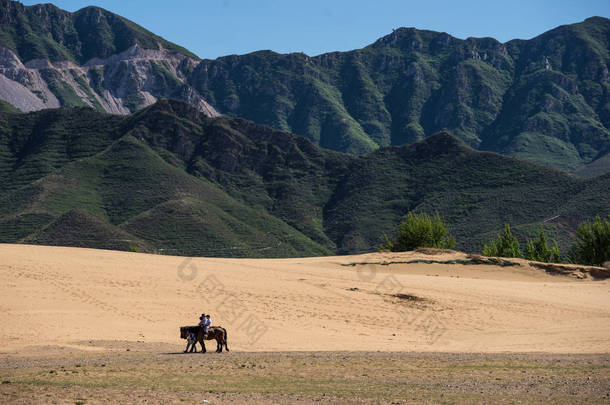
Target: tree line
(591, 244)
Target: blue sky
(212, 28)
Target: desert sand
(77, 296)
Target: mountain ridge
(80, 36)
(546, 99)
(411, 83)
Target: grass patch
(337, 377)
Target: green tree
(538, 249)
(556, 253)
(592, 244)
(506, 245)
(420, 230)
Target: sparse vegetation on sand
(591, 245)
(284, 377)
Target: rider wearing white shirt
(207, 323)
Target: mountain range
(170, 179)
(112, 137)
(544, 99)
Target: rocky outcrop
(23, 87)
(24, 98)
(120, 84)
(50, 58)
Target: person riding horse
(217, 333)
(205, 322)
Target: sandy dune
(79, 295)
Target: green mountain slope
(44, 31)
(81, 229)
(595, 168)
(172, 180)
(132, 189)
(477, 192)
(545, 99)
(6, 107)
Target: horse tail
(225, 339)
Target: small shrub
(419, 230)
(592, 244)
(506, 245)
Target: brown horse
(214, 332)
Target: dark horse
(214, 332)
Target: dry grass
(343, 377)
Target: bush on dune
(538, 250)
(506, 245)
(592, 244)
(419, 230)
